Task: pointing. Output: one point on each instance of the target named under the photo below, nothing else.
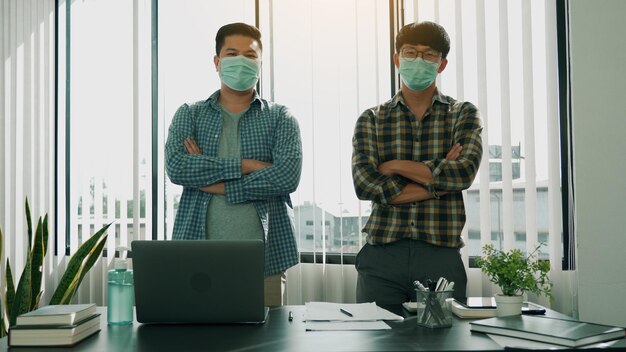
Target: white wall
(598, 56)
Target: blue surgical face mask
(239, 72)
(418, 74)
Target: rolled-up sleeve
(194, 170)
(370, 184)
(283, 176)
(457, 175)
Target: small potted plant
(515, 274)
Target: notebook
(199, 282)
(567, 332)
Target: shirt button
(413, 223)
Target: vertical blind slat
(26, 142)
(136, 129)
(61, 126)
(17, 152)
(4, 94)
(505, 114)
(554, 178)
(5, 105)
(529, 129)
(458, 45)
(35, 107)
(481, 60)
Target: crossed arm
(417, 172)
(248, 166)
(238, 180)
(406, 181)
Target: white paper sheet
(346, 325)
(327, 311)
(362, 316)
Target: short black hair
(424, 33)
(234, 29)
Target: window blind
(27, 129)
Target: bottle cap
(121, 262)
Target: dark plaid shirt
(391, 132)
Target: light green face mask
(418, 74)
(239, 72)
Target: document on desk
(347, 316)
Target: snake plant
(26, 297)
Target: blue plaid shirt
(268, 133)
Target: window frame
(396, 17)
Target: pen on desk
(345, 312)
(290, 316)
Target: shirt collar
(399, 99)
(212, 100)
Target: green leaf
(94, 255)
(73, 274)
(2, 282)
(46, 232)
(10, 292)
(38, 254)
(515, 273)
(38, 299)
(21, 304)
(3, 332)
(2, 311)
(1, 244)
(29, 225)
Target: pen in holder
(432, 310)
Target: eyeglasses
(412, 54)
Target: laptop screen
(199, 281)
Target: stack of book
(55, 325)
(566, 332)
(485, 307)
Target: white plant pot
(508, 305)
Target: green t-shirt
(231, 221)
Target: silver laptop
(199, 282)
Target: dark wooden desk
(279, 334)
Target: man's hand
(411, 193)
(393, 167)
(191, 146)
(216, 188)
(249, 166)
(411, 169)
(454, 152)
(388, 167)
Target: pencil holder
(432, 310)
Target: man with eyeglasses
(412, 157)
(238, 157)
